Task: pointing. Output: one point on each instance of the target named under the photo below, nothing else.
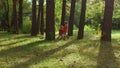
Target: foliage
(58, 12)
(26, 25)
(94, 12)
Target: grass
(24, 51)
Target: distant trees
(4, 15)
(15, 16)
(107, 21)
(50, 23)
(82, 20)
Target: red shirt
(65, 28)
(61, 31)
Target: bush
(26, 25)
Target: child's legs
(64, 35)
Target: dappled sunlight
(16, 43)
(106, 56)
(32, 52)
(12, 61)
(116, 35)
(40, 57)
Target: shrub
(26, 25)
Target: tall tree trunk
(15, 23)
(38, 17)
(34, 31)
(71, 20)
(82, 20)
(42, 18)
(6, 15)
(20, 18)
(63, 12)
(107, 21)
(8, 29)
(50, 24)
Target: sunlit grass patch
(116, 34)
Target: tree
(4, 15)
(71, 20)
(50, 24)
(63, 12)
(7, 14)
(82, 20)
(107, 21)
(14, 20)
(34, 32)
(38, 18)
(20, 18)
(42, 18)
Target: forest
(59, 34)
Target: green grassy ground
(24, 51)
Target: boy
(65, 29)
(61, 32)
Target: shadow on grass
(106, 56)
(21, 48)
(8, 37)
(40, 57)
(15, 42)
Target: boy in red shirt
(61, 32)
(65, 29)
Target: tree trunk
(107, 21)
(50, 24)
(63, 12)
(8, 29)
(71, 20)
(82, 20)
(34, 31)
(5, 15)
(42, 18)
(15, 23)
(20, 18)
(38, 18)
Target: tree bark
(82, 20)
(42, 18)
(63, 12)
(71, 20)
(20, 18)
(38, 18)
(50, 24)
(34, 31)
(5, 14)
(8, 29)
(107, 21)
(15, 23)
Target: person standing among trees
(61, 32)
(65, 29)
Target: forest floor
(24, 51)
